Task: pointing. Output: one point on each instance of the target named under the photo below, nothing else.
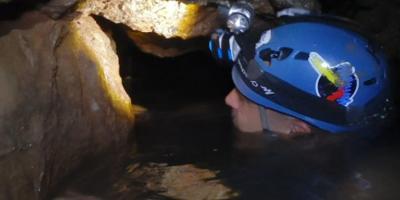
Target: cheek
(248, 119)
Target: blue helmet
(325, 74)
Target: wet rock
(189, 182)
(160, 181)
(173, 19)
(267, 6)
(171, 25)
(169, 19)
(166, 18)
(161, 47)
(312, 5)
(207, 20)
(56, 8)
(263, 7)
(388, 33)
(61, 103)
(26, 21)
(71, 195)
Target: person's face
(246, 117)
(245, 114)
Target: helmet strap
(263, 118)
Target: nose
(232, 99)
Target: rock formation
(175, 182)
(62, 102)
(168, 19)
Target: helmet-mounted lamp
(240, 17)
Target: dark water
(261, 167)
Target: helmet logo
(337, 83)
(259, 86)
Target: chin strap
(265, 123)
(264, 118)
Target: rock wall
(166, 18)
(62, 102)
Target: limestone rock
(161, 47)
(266, 6)
(172, 19)
(171, 182)
(167, 18)
(56, 8)
(164, 17)
(189, 182)
(61, 103)
(312, 5)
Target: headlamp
(240, 17)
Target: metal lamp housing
(240, 17)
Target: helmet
(323, 73)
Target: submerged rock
(160, 181)
(189, 182)
(61, 103)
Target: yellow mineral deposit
(188, 20)
(168, 18)
(176, 18)
(106, 66)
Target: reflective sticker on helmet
(335, 83)
(234, 48)
(219, 52)
(323, 68)
(221, 36)
(230, 55)
(210, 45)
(242, 69)
(264, 39)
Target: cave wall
(62, 103)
